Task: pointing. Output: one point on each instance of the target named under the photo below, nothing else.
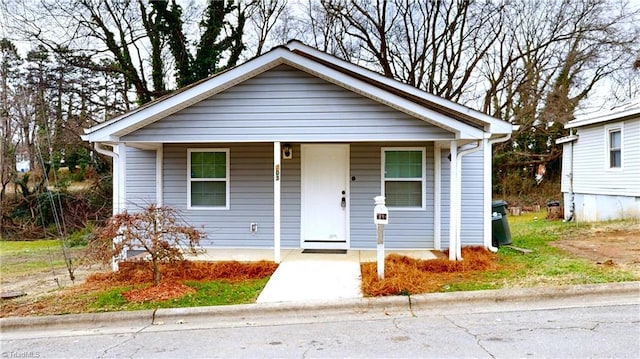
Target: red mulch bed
(160, 292)
(404, 275)
(139, 272)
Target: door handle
(343, 203)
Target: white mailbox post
(380, 218)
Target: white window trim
(423, 179)
(607, 149)
(189, 179)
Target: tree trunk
(156, 271)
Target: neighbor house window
(615, 147)
(208, 180)
(403, 177)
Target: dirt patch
(610, 244)
(37, 284)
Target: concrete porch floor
(254, 255)
(308, 276)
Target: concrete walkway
(315, 277)
(309, 276)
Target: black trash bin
(500, 226)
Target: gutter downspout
(458, 245)
(488, 190)
(572, 195)
(116, 190)
(102, 151)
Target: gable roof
(618, 113)
(464, 122)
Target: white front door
(325, 196)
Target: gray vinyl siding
(290, 196)
(251, 199)
(251, 195)
(140, 178)
(406, 229)
(285, 104)
(472, 224)
(590, 168)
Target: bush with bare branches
(160, 231)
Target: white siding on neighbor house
(565, 180)
(594, 207)
(140, 179)
(288, 105)
(591, 174)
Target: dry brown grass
(139, 272)
(404, 275)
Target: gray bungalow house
(601, 165)
(289, 149)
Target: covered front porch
(285, 195)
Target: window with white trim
(614, 145)
(208, 178)
(403, 177)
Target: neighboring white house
(601, 165)
(289, 149)
(23, 166)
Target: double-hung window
(208, 178)
(403, 177)
(614, 146)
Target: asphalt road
(594, 326)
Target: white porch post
(159, 183)
(119, 178)
(453, 200)
(277, 175)
(437, 197)
(119, 201)
(115, 179)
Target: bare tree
(132, 35)
(264, 16)
(157, 230)
(8, 68)
(549, 60)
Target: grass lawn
(207, 293)
(546, 265)
(224, 283)
(24, 257)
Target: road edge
(394, 304)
